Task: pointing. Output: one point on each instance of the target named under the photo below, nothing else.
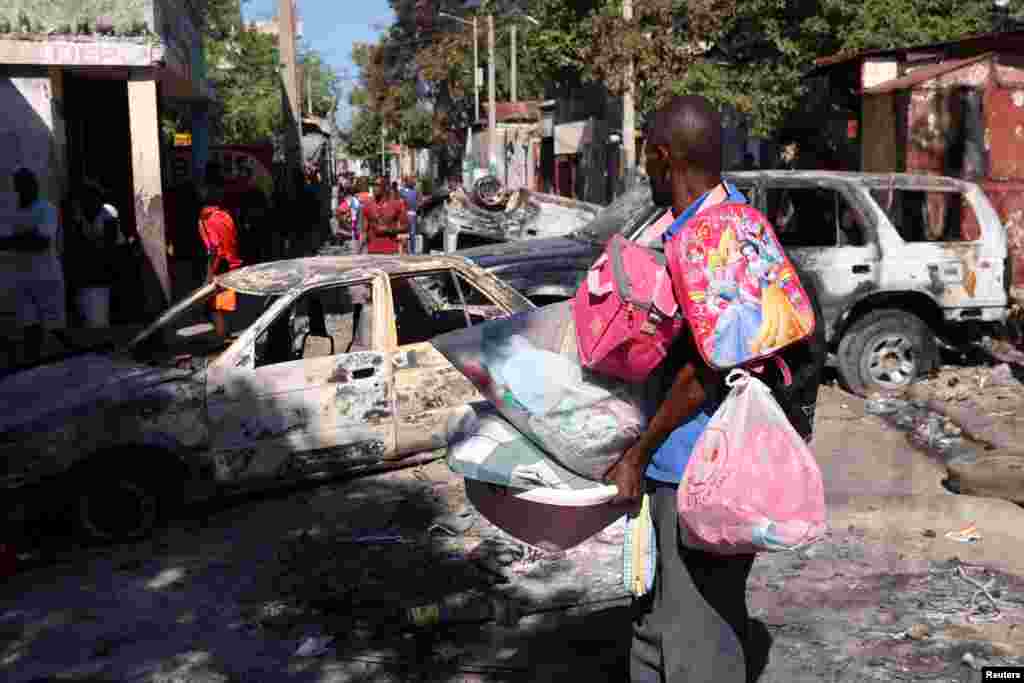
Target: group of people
(381, 221)
(79, 262)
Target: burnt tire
(114, 504)
(885, 351)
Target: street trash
(1002, 375)
(372, 538)
(918, 632)
(929, 533)
(314, 646)
(968, 534)
(455, 523)
(886, 405)
(466, 607)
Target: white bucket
(94, 305)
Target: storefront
(79, 107)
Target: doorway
(99, 138)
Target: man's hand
(628, 475)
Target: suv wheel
(885, 351)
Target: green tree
(755, 55)
(324, 83)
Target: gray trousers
(693, 626)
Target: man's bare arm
(685, 398)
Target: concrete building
(82, 83)
(954, 108)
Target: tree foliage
(752, 56)
(243, 68)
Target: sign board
(570, 136)
(182, 139)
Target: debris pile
(927, 429)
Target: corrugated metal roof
(923, 74)
(994, 41)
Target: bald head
(692, 129)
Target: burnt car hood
(74, 384)
(526, 250)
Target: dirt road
(231, 593)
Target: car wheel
(886, 351)
(114, 506)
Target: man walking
(38, 278)
(693, 626)
(220, 236)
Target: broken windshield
(187, 329)
(624, 215)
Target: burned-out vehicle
(327, 369)
(900, 262)
(469, 219)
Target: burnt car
(900, 262)
(327, 369)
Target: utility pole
(309, 91)
(513, 88)
(492, 113)
(286, 47)
(476, 71)
(628, 114)
(383, 138)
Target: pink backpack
(625, 312)
(737, 287)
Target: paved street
(231, 593)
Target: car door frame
(424, 427)
(240, 456)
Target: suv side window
(814, 217)
(921, 216)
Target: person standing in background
(93, 233)
(412, 198)
(38, 284)
(386, 221)
(220, 236)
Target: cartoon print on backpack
(735, 293)
(746, 301)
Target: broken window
(435, 303)
(815, 217)
(322, 322)
(189, 332)
(934, 216)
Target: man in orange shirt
(219, 234)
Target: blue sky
(331, 27)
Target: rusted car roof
(279, 277)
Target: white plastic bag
(752, 483)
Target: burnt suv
(900, 262)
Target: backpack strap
(694, 209)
